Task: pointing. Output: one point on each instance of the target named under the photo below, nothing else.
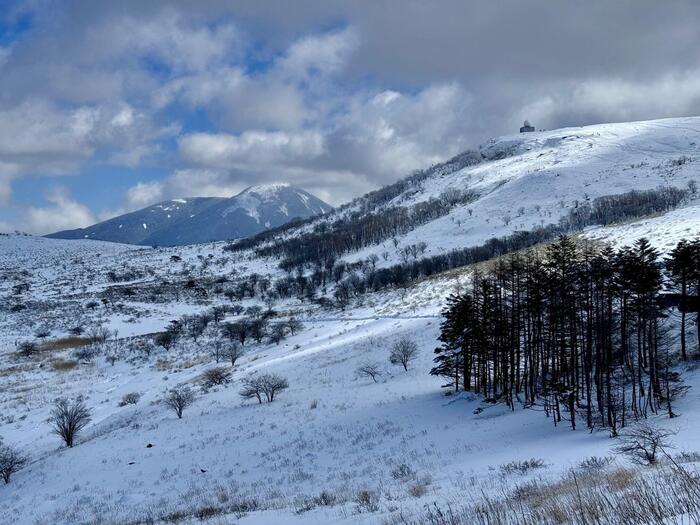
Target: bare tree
(239, 330)
(166, 339)
(217, 344)
(252, 388)
(294, 325)
(268, 385)
(216, 376)
(272, 384)
(643, 442)
(403, 352)
(132, 398)
(368, 370)
(233, 352)
(99, 334)
(179, 398)
(277, 332)
(11, 461)
(69, 418)
(218, 313)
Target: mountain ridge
(194, 220)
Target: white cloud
(616, 99)
(144, 194)
(251, 148)
(8, 171)
(64, 213)
(389, 134)
(39, 133)
(374, 139)
(318, 55)
(337, 112)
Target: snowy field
(334, 447)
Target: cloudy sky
(106, 107)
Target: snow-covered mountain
(203, 219)
(510, 184)
(336, 447)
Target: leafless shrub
(402, 472)
(367, 501)
(267, 385)
(166, 339)
(216, 376)
(11, 461)
(368, 370)
(521, 467)
(69, 418)
(99, 334)
(86, 353)
(642, 443)
(306, 503)
(595, 463)
(131, 398)
(403, 352)
(233, 352)
(178, 399)
(418, 489)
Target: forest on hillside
(575, 330)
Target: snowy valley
(320, 303)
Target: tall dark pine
(570, 328)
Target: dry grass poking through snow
(584, 496)
(64, 343)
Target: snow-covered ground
(544, 175)
(332, 433)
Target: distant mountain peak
(195, 220)
(272, 187)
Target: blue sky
(109, 107)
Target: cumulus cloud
(63, 213)
(617, 99)
(372, 139)
(252, 147)
(337, 97)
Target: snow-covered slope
(140, 226)
(532, 179)
(255, 209)
(204, 219)
(333, 439)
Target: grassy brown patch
(63, 343)
(63, 365)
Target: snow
(331, 431)
(664, 232)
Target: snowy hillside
(338, 445)
(521, 182)
(205, 219)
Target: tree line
(368, 203)
(573, 330)
(357, 230)
(600, 211)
